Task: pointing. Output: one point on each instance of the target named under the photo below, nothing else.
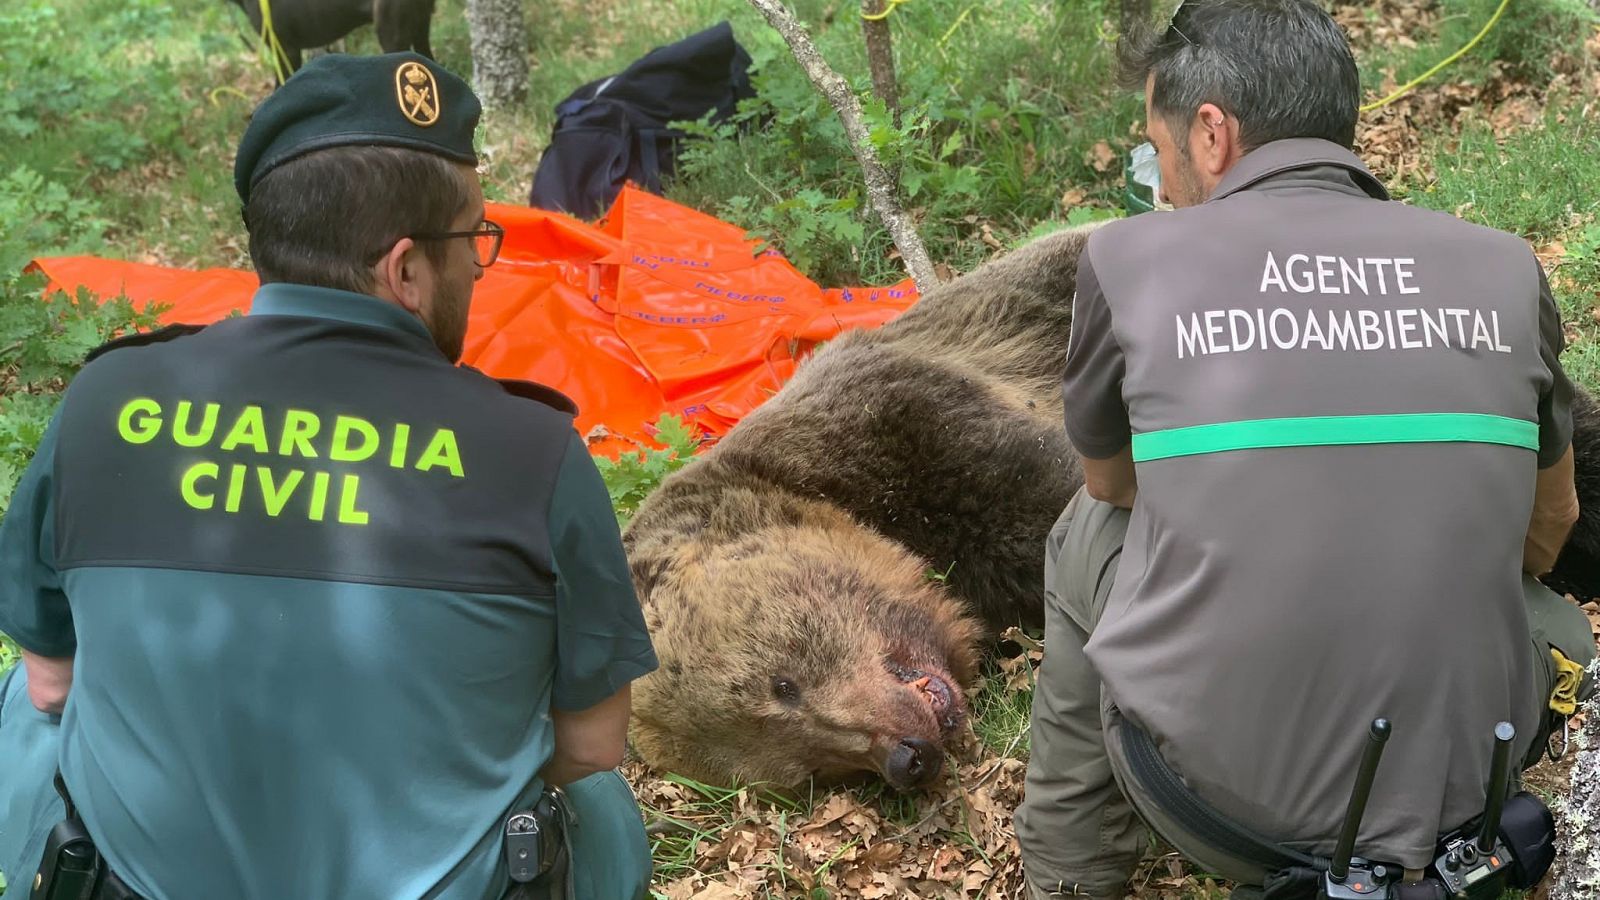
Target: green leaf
(951, 144)
(674, 432)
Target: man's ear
(396, 276)
(1214, 140)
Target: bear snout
(913, 763)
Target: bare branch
(880, 186)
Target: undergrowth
(635, 474)
(43, 342)
(1002, 116)
(1532, 41)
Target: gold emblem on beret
(417, 93)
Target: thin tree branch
(880, 185)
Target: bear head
(795, 650)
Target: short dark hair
(321, 219)
(1283, 68)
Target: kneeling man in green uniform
(307, 608)
(1326, 447)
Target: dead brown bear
(786, 575)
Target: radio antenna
(1344, 851)
(1499, 773)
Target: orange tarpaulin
(658, 309)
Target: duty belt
(1511, 845)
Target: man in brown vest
(1326, 441)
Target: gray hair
(1283, 68)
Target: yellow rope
(1433, 71)
(269, 38)
(878, 17)
(226, 89)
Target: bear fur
(1577, 569)
(819, 582)
(810, 581)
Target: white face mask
(1147, 172)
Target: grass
(1540, 178)
(1528, 43)
(131, 108)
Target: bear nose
(913, 763)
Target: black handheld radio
(1469, 859)
(1349, 877)
(1473, 863)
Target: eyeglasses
(485, 240)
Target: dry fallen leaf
(719, 891)
(1102, 158)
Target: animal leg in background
(404, 25)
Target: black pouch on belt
(1292, 883)
(71, 864)
(1529, 831)
(536, 849)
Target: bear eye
(785, 690)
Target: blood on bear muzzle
(936, 691)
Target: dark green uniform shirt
(323, 589)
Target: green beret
(396, 100)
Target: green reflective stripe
(1323, 431)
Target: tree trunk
(499, 51)
(1576, 874)
(880, 57)
(880, 185)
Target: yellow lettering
(250, 429)
(442, 451)
(180, 427)
(235, 488)
(319, 496)
(397, 453)
(348, 514)
(277, 496)
(145, 430)
(299, 427)
(341, 449)
(193, 474)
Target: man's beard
(1188, 191)
(449, 321)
